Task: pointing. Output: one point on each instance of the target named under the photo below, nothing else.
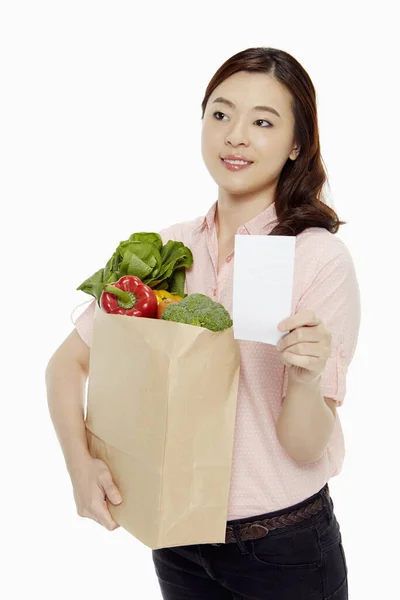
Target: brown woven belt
(258, 529)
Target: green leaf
(111, 266)
(132, 265)
(112, 277)
(143, 255)
(145, 251)
(150, 238)
(93, 285)
(173, 255)
(138, 258)
(177, 282)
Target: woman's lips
(232, 167)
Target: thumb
(113, 493)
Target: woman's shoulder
(320, 243)
(182, 231)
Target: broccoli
(199, 310)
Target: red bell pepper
(129, 296)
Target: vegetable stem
(125, 299)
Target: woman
(260, 144)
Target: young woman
(283, 542)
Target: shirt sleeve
(334, 297)
(84, 322)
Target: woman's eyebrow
(231, 105)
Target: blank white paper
(263, 274)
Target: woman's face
(259, 135)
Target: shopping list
(263, 273)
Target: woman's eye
(218, 113)
(258, 120)
(263, 120)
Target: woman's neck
(231, 215)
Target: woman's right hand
(92, 483)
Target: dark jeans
(305, 560)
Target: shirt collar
(256, 226)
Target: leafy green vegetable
(161, 267)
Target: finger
(111, 524)
(300, 319)
(114, 496)
(111, 491)
(307, 362)
(303, 334)
(108, 523)
(98, 516)
(106, 519)
(306, 349)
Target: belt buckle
(255, 531)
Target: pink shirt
(264, 477)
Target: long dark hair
(299, 199)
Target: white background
(100, 137)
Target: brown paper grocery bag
(161, 410)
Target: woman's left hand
(306, 348)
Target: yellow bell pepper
(164, 298)
(163, 294)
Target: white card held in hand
(262, 286)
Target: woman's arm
(66, 376)
(306, 421)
